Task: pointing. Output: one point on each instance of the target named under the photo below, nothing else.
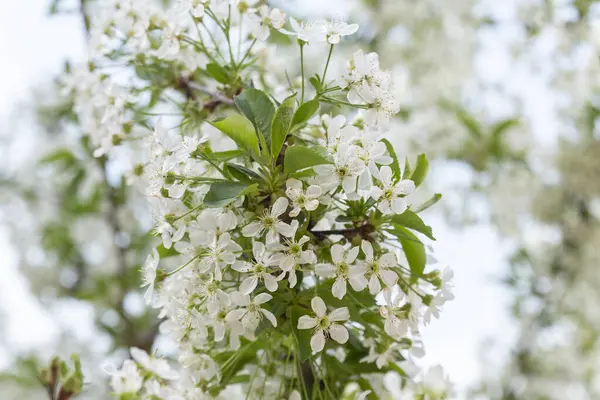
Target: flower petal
(340, 314)
(339, 333)
(318, 306)
(317, 341)
(306, 322)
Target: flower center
(324, 322)
(342, 269)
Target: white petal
(367, 248)
(325, 270)
(339, 288)
(340, 314)
(252, 229)
(241, 266)
(317, 341)
(306, 322)
(389, 277)
(270, 282)
(399, 205)
(249, 284)
(262, 298)
(269, 315)
(314, 191)
(352, 254)
(337, 253)
(374, 285)
(285, 229)
(258, 249)
(279, 206)
(339, 333)
(349, 184)
(318, 306)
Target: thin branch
(218, 96)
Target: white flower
(363, 76)
(383, 106)
(346, 170)
(378, 268)
(343, 270)
(250, 312)
(396, 323)
(325, 324)
(371, 153)
(302, 200)
(259, 270)
(170, 45)
(337, 132)
(126, 381)
(149, 274)
(334, 30)
(306, 31)
(271, 223)
(293, 255)
(390, 195)
(209, 226)
(220, 254)
(157, 366)
(260, 24)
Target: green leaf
(218, 73)
(222, 156)
(434, 199)
(499, 128)
(316, 82)
(306, 111)
(60, 155)
(165, 253)
(282, 122)
(394, 165)
(413, 249)
(259, 109)
(240, 130)
(243, 174)
(300, 157)
(407, 169)
(222, 193)
(410, 220)
(469, 122)
(421, 169)
(302, 336)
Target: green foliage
(395, 166)
(239, 129)
(410, 220)
(282, 122)
(432, 201)
(299, 157)
(306, 111)
(223, 193)
(413, 249)
(218, 73)
(259, 109)
(421, 169)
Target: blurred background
(500, 95)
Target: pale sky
(33, 48)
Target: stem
(247, 52)
(219, 96)
(184, 265)
(327, 64)
(302, 69)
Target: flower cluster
(266, 207)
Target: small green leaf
(259, 109)
(240, 130)
(316, 82)
(395, 166)
(434, 199)
(306, 111)
(469, 122)
(218, 73)
(300, 157)
(420, 171)
(413, 249)
(222, 193)
(243, 174)
(222, 156)
(410, 220)
(407, 169)
(282, 122)
(499, 128)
